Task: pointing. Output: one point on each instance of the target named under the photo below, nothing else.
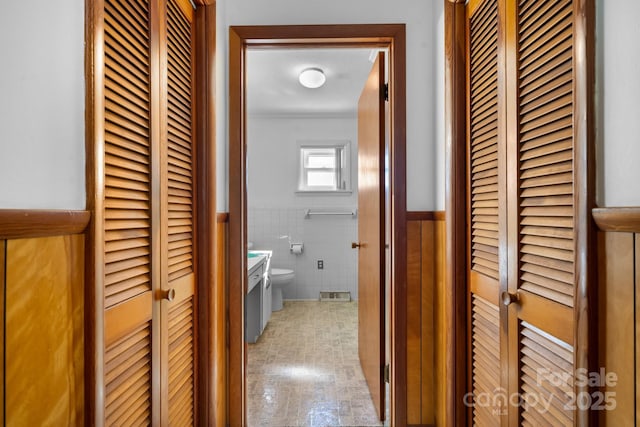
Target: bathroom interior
(301, 315)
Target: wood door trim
(625, 219)
(222, 217)
(27, 223)
(204, 130)
(94, 335)
(3, 278)
(456, 304)
(240, 37)
(586, 296)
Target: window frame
(342, 170)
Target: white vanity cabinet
(257, 307)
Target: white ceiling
(273, 87)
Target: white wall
(275, 209)
(618, 72)
(438, 84)
(417, 14)
(272, 159)
(42, 94)
(42, 104)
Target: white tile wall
(326, 238)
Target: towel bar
(309, 213)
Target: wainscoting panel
(44, 344)
(618, 311)
(219, 315)
(425, 281)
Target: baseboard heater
(337, 296)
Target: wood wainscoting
(618, 314)
(425, 337)
(42, 279)
(220, 343)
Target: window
(324, 167)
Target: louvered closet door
(179, 314)
(484, 203)
(541, 323)
(127, 215)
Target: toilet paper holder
(296, 248)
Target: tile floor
(304, 369)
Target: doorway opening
(393, 245)
(303, 149)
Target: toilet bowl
(280, 277)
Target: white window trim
(344, 172)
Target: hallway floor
(304, 369)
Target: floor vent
(339, 296)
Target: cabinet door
(485, 177)
(522, 210)
(127, 216)
(178, 312)
(148, 215)
(541, 203)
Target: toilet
(280, 277)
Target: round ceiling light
(312, 78)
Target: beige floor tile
(304, 369)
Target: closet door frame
(456, 192)
(204, 202)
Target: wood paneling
(3, 254)
(414, 322)
(637, 326)
(17, 224)
(440, 325)
(617, 296)
(44, 327)
(619, 303)
(427, 299)
(425, 325)
(219, 316)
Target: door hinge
(386, 373)
(386, 91)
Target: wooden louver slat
(546, 369)
(181, 334)
(546, 149)
(181, 364)
(128, 379)
(484, 139)
(127, 147)
(180, 164)
(485, 369)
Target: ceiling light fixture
(312, 78)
